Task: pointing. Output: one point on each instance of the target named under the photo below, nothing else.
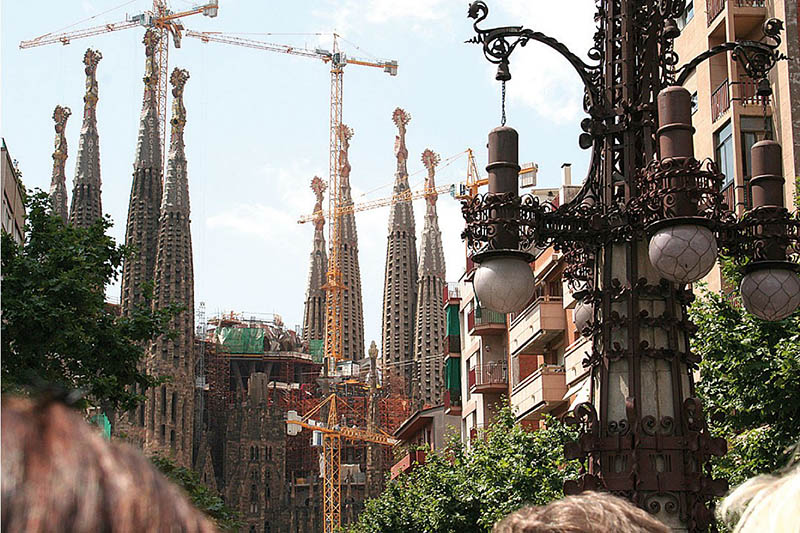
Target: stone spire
(58, 183)
(314, 312)
(430, 322)
(352, 306)
(141, 231)
(86, 205)
(400, 279)
(172, 410)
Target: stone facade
(430, 323)
(58, 182)
(400, 279)
(314, 310)
(86, 205)
(141, 230)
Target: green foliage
(461, 490)
(56, 326)
(202, 497)
(750, 384)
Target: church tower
(86, 205)
(430, 319)
(314, 311)
(400, 278)
(58, 182)
(170, 411)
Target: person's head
(588, 512)
(60, 475)
(765, 503)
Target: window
(686, 16)
(723, 152)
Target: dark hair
(60, 475)
(589, 512)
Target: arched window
(253, 492)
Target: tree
(202, 497)
(56, 327)
(460, 490)
(750, 383)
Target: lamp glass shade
(583, 315)
(504, 284)
(683, 253)
(771, 293)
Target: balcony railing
(747, 93)
(751, 3)
(408, 462)
(491, 377)
(720, 100)
(485, 321)
(714, 8)
(452, 402)
(450, 292)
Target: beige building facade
(13, 194)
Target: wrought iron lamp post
(648, 220)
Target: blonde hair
(589, 512)
(765, 503)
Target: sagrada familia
(222, 411)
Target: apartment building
(728, 113)
(533, 358)
(13, 194)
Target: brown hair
(61, 475)
(589, 512)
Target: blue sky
(257, 125)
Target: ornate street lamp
(648, 220)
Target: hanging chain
(503, 104)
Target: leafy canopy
(460, 490)
(56, 326)
(750, 383)
(202, 497)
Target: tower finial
(58, 183)
(150, 41)
(431, 160)
(401, 119)
(91, 58)
(318, 186)
(178, 81)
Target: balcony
(408, 462)
(489, 378)
(714, 8)
(573, 359)
(486, 322)
(540, 392)
(452, 402)
(751, 3)
(536, 327)
(720, 101)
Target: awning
(580, 390)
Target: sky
(257, 122)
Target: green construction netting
(452, 374)
(317, 349)
(241, 340)
(452, 320)
(103, 423)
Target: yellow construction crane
(460, 191)
(166, 23)
(332, 434)
(338, 60)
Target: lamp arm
(756, 57)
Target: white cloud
(541, 78)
